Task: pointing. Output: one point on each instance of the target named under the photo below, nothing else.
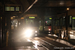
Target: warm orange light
(1, 17)
(11, 17)
(67, 8)
(22, 17)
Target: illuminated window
(70, 20)
(73, 22)
(7, 8)
(17, 8)
(11, 8)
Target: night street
(37, 24)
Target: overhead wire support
(30, 6)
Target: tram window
(48, 22)
(12, 8)
(31, 22)
(17, 8)
(73, 23)
(9, 8)
(70, 20)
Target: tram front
(31, 27)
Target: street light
(1, 17)
(67, 8)
(22, 17)
(67, 23)
(11, 17)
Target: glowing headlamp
(28, 33)
(35, 31)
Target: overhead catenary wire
(30, 6)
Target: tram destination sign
(73, 17)
(32, 17)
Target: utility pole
(67, 24)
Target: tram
(27, 29)
(30, 26)
(48, 24)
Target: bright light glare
(36, 38)
(67, 8)
(35, 31)
(72, 36)
(71, 32)
(28, 33)
(62, 36)
(50, 34)
(29, 40)
(55, 35)
(49, 29)
(36, 43)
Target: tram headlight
(28, 33)
(49, 29)
(35, 31)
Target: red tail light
(49, 28)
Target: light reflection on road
(60, 41)
(38, 44)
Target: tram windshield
(31, 22)
(48, 23)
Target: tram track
(58, 46)
(45, 44)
